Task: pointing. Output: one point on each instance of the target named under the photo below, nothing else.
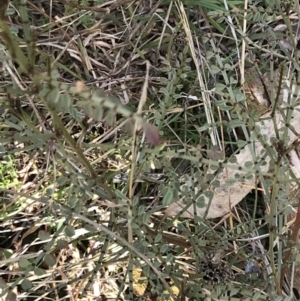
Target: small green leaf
(73, 202)
(240, 144)
(135, 201)
(249, 164)
(64, 103)
(164, 91)
(158, 237)
(157, 164)
(230, 182)
(235, 123)
(69, 231)
(232, 81)
(170, 258)
(256, 296)
(23, 263)
(135, 226)
(10, 11)
(26, 285)
(249, 176)
(209, 194)
(39, 272)
(49, 260)
(225, 107)
(44, 235)
(110, 117)
(7, 253)
(62, 180)
(203, 128)
(237, 176)
(146, 270)
(49, 191)
(164, 248)
(120, 194)
(215, 183)
(233, 291)
(219, 87)
(141, 210)
(256, 17)
(210, 54)
(168, 198)
(150, 255)
(269, 182)
(146, 218)
(74, 112)
(228, 67)
(201, 242)
(200, 202)
(215, 69)
(53, 96)
(239, 96)
(62, 244)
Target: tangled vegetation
(149, 150)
